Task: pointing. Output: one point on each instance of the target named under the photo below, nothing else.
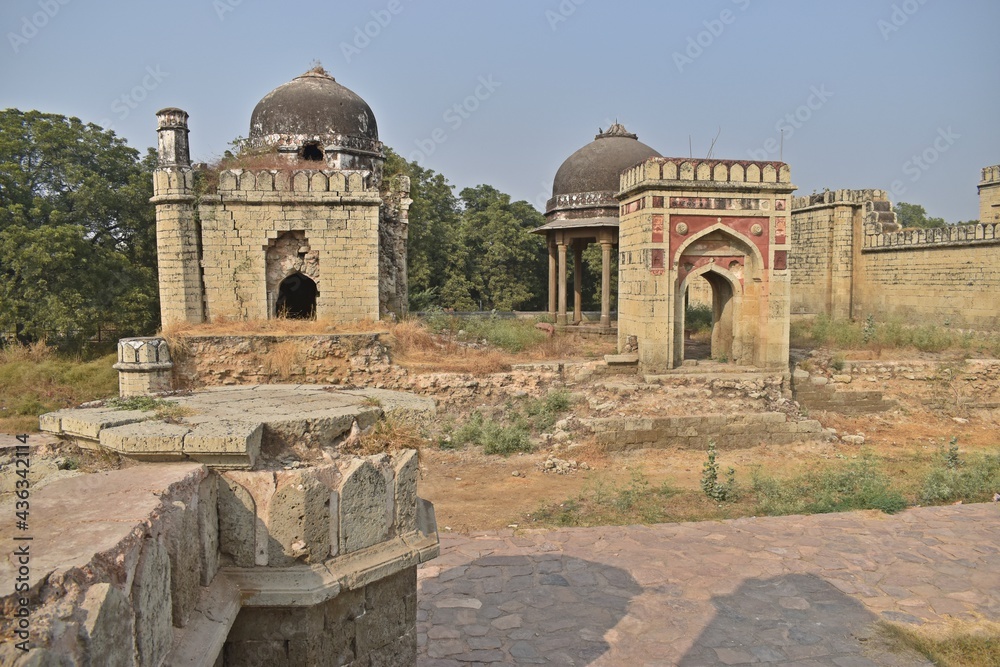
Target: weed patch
(601, 505)
(859, 485)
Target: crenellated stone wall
(850, 259)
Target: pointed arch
(751, 247)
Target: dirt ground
(472, 491)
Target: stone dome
(597, 166)
(312, 105)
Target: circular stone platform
(258, 426)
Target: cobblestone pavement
(779, 590)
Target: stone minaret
(177, 235)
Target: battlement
(299, 180)
(834, 197)
(717, 172)
(990, 175)
(958, 235)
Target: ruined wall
(335, 214)
(849, 259)
(989, 195)
(393, 230)
(376, 626)
(176, 564)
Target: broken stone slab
(147, 440)
(225, 443)
(621, 359)
(88, 423)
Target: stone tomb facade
(722, 220)
(315, 231)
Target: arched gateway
(718, 220)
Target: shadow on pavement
(521, 610)
(794, 619)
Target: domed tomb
(597, 166)
(317, 119)
(583, 210)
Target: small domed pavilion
(583, 210)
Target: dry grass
(283, 360)
(35, 379)
(416, 347)
(223, 326)
(386, 436)
(957, 644)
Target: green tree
(503, 261)
(77, 233)
(914, 216)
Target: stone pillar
(577, 282)
(605, 284)
(177, 234)
(553, 286)
(561, 315)
(143, 367)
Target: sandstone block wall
(727, 431)
(849, 259)
(989, 195)
(338, 216)
(178, 242)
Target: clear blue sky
(887, 80)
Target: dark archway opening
(296, 298)
(312, 152)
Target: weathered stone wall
(336, 214)
(957, 285)
(119, 562)
(393, 230)
(153, 563)
(849, 259)
(375, 626)
(727, 431)
(989, 195)
(722, 220)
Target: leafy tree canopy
(77, 233)
(914, 216)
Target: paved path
(784, 590)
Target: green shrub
(505, 440)
(974, 481)
(543, 412)
(710, 484)
(698, 317)
(511, 335)
(859, 485)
